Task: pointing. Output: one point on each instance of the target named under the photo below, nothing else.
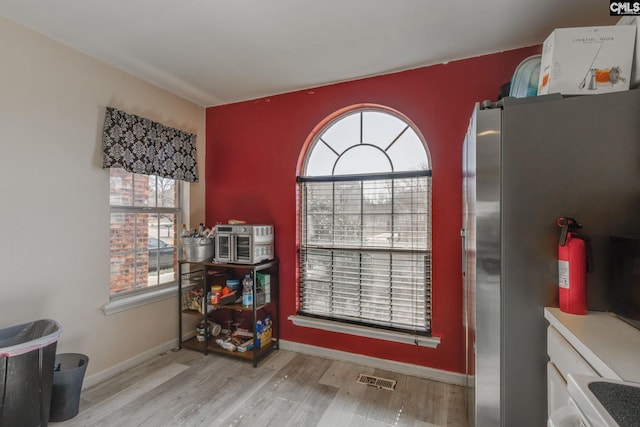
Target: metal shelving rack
(201, 276)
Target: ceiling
(216, 52)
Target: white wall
(54, 195)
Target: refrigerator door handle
(463, 238)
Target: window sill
(363, 331)
(127, 303)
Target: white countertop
(610, 345)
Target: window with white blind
(365, 216)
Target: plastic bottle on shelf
(247, 291)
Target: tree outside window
(144, 217)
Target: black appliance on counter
(624, 284)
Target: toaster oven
(243, 243)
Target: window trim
(337, 324)
(364, 331)
(129, 301)
(122, 302)
(365, 177)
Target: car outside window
(144, 213)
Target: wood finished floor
(186, 388)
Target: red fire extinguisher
(573, 251)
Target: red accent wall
(252, 150)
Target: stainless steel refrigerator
(525, 164)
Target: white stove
(599, 402)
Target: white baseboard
(114, 370)
(389, 365)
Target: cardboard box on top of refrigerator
(587, 60)
(635, 70)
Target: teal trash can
(68, 375)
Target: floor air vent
(382, 383)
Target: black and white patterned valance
(143, 146)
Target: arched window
(365, 216)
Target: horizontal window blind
(365, 253)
